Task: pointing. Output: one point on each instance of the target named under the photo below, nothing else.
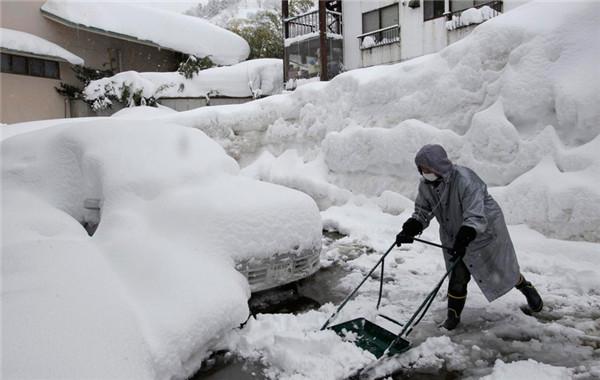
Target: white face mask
(430, 177)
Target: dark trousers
(459, 279)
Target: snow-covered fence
(379, 37)
(475, 15)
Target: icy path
(563, 342)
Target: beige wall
(26, 98)
(98, 51)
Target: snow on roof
(170, 30)
(18, 41)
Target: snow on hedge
(18, 41)
(171, 30)
(251, 78)
(521, 87)
(154, 290)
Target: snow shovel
(374, 338)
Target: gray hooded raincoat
(462, 199)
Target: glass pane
(459, 5)
(5, 63)
(36, 67)
(51, 69)
(335, 57)
(19, 64)
(438, 8)
(389, 16)
(427, 10)
(370, 21)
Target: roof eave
(36, 55)
(103, 32)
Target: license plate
(280, 270)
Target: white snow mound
(154, 290)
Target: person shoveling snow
(473, 224)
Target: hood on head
(435, 158)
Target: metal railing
(379, 37)
(455, 17)
(309, 23)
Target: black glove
(410, 229)
(464, 237)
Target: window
(380, 18)
(461, 5)
(433, 9)
(17, 64)
(370, 21)
(386, 18)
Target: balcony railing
(308, 23)
(379, 37)
(487, 11)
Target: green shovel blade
(371, 337)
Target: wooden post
(285, 12)
(323, 39)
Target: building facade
(388, 31)
(26, 96)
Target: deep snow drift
(520, 92)
(154, 290)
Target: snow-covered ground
(516, 100)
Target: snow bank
(528, 369)
(154, 290)
(247, 79)
(522, 86)
(171, 30)
(28, 43)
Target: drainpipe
(120, 59)
(67, 108)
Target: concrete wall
(380, 55)
(186, 104)
(79, 108)
(97, 50)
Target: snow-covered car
(124, 236)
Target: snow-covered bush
(192, 65)
(252, 78)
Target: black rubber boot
(534, 301)
(455, 307)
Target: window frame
(379, 13)
(29, 63)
